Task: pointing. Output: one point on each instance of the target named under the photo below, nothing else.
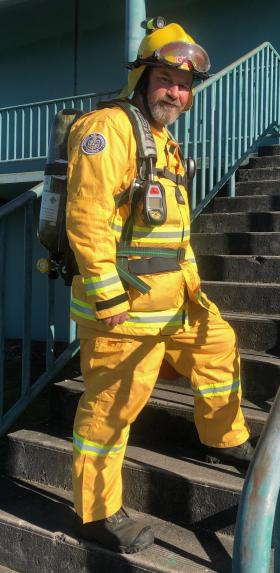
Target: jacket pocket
(167, 292)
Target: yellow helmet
(168, 46)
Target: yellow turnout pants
(119, 375)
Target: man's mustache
(170, 102)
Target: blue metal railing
(232, 112)
(25, 204)
(259, 507)
(25, 129)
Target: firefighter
(127, 327)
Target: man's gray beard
(162, 114)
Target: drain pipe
(135, 13)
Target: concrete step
(257, 187)
(177, 486)
(170, 409)
(245, 203)
(259, 333)
(255, 298)
(259, 174)
(269, 150)
(239, 268)
(243, 222)
(36, 537)
(264, 161)
(251, 243)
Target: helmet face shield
(183, 55)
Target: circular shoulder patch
(93, 143)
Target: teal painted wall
(37, 41)
(37, 49)
(226, 29)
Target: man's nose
(173, 91)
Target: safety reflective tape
(191, 260)
(97, 285)
(94, 449)
(160, 319)
(82, 309)
(152, 235)
(220, 389)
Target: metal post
(257, 506)
(135, 14)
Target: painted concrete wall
(37, 41)
(38, 51)
(226, 29)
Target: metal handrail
(25, 129)
(232, 112)
(259, 507)
(25, 204)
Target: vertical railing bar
(15, 134)
(38, 130)
(267, 87)
(47, 129)
(227, 123)
(50, 325)
(257, 127)
(23, 132)
(220, 124)
(203, 146)
(212, 136)
(72, 331)
(186, 127)
(3, 240)
(1, 119)
(262, 93)
(8, 136)
(233, 131)
(278, 93)
(240, 111)
(27, 298)
(30, 132)
(251, 131)
(271, 86)
(194, 182)
(176, 129)
(276, 90)
(246, 89)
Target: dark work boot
(237, 455)
(119, 532)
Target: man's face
(168, 93)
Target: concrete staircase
(191, 505)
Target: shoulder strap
(146, 147)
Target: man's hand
(117, 319)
